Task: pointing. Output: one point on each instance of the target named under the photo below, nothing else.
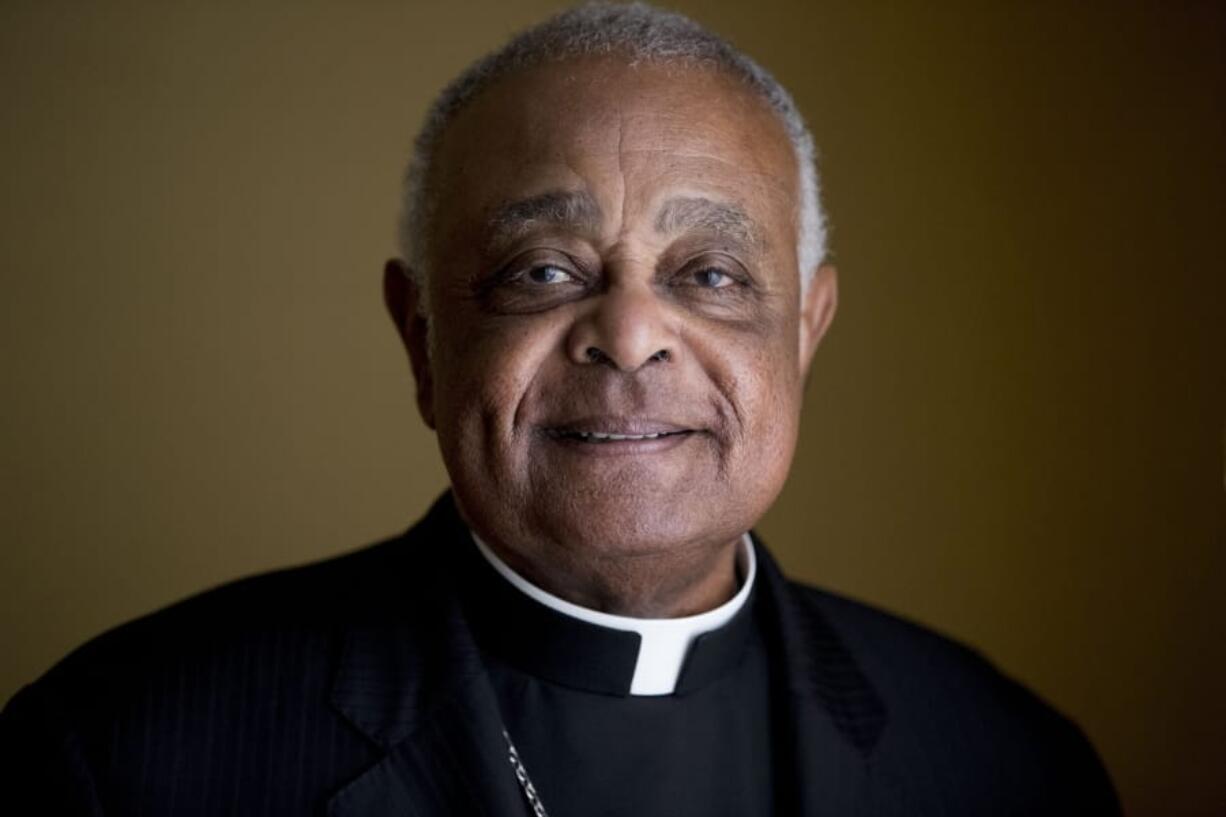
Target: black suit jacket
(353, 687)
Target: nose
(626, 327)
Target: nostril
(595, 355)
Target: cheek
(484, 373)
(758, 376)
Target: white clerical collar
(664, 642)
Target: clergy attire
(423, 676)
(616, 715)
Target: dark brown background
(1014, 432)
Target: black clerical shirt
(589, 746)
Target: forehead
(646, 132)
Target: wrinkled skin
(614, 252)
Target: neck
(678, 583)
(663, 644)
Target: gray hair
(640, 32)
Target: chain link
(525, 782)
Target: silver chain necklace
(525, 782)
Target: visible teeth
(596, 436)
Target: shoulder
(251, 631)
(950, 710)
(279, 627)
(250, 660)
(301, 601)
(922, 674)
(889, 646)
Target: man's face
(619, 337)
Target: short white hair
(641, 33)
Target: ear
(817, 305)
(403, 298)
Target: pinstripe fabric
(353, 687)
(937, 730)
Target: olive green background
(1014, 432)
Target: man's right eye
(548, 274)
(533, 283)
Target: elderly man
(611, 292)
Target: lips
(609, 437)
(615, 430)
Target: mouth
(610, 437)
(619, 435)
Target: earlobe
(817, 307)
(402, 297)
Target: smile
(603, 437)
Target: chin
(620, 525)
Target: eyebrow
(707, 215)
(560, 208)
(579, 210)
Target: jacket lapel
(830, 715)
(453, 764)
(411, 679)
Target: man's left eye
(713, 278)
